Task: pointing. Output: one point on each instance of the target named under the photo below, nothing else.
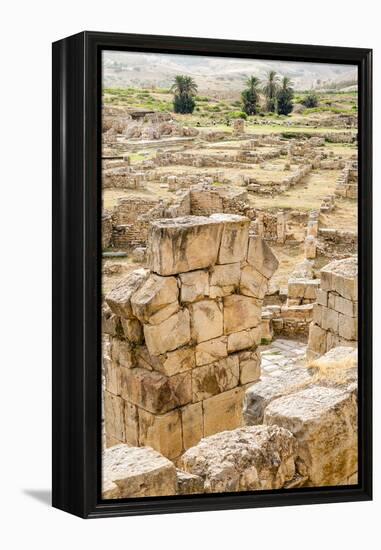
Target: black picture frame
(77, 273)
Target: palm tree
(270, 89)
(250, 96)
(284, 97)
(184, 88)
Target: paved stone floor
(281, 355)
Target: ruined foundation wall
(335, 315)
(183, 334)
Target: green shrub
(310, 100)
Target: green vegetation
(284, 97)
(270, 90)
(250, 96)
(184, 89)
(310, 100)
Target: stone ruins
(188, 408)
(184, 333)
(230, 303)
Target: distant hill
(145, 70)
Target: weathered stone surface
(194, 285)
(347, 327)
(189, 484)
(226, 275)
(121, 352)
(162, 432)
(153, 296)
(137, 472)
(338, 366)
(253, 283)
(223, 411)
(206, 320)
(154, 391)
(131, 423)
(183, 244)
(240, 313)
(211, 350)
(133, 330)
(317, 340)
(234, 237)
(322, 297)
(119, 299)
(243, 459)
(112, 376)
(261, 257)
(168, 335)
(215, 378)
(174, 362)
(259, 395)
(193, 424)
(244, 339)
(114, 416)
(249, 366)
(329, 319)
(341, 277)
(324, 422)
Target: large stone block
(226, 275)
(341, 276)
(240, 313)
(206, 321)
(112, 376)
(175, 362)
(253, 283)
(189, 484)
(162, 432)
(244, 339)
(324, 422)
(192, 424)
(155, 295)
(119, 299)
(114, 416)
(234, 238)
(183, 244)
(259, 395)
(194, 285)
(131, 423)
(136, 472)
(132, 330)
(243, 459)
(211, 350)
(317, 339)
(223, 411)
(249, 366)
(215, 378)
(122, 353)
(329, 319)
(168, 335)
(154, 391)
(347, 327)
(261, 257)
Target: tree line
(278, 94)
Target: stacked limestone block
(335, 315)
(184, 333)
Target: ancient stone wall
(335, 315)
(183, 334)
(129, 227)
(347, 184)
(106, 229)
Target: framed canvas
(211, 274)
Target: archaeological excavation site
(229, 279)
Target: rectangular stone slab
(137, 472)
(324, 422)
(183, 244)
